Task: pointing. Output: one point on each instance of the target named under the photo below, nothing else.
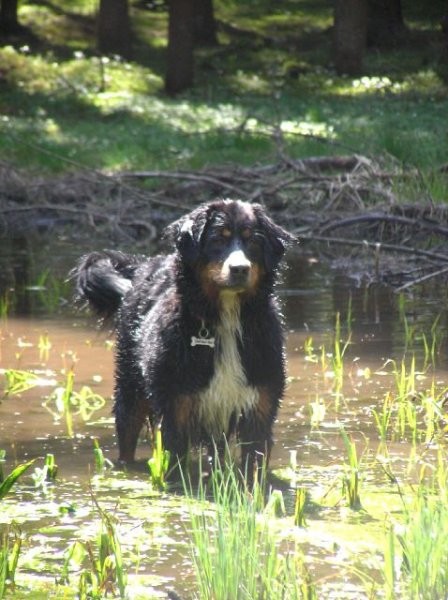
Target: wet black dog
(199, 337)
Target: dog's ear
(187, 232)
(276, 238)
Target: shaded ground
(345, 208)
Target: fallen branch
(377, 246)
(382, 217)
(421, 279)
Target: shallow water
(379, 327)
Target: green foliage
(62, 104)
(424, 545)
(159, 463)
(19, 381)
(238, 525)
(7, 483)
(351, 480)
(10, 547)
(101, 462)
(65, 402)
(299, 507)
(51, 291)
(47, 474)
(104, 571)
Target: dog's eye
(220, 237)
(258, 237)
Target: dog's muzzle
(236, 269)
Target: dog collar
(204, 337)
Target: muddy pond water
(348, 344)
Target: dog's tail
(103, 278)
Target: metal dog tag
(199, 341)
(204, 338)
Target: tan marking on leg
(184, 412)
(263, 409)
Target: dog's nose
(239, 270)
(239, 264)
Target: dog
(200, 348)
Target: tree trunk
(385, 22)
(9, 22)
(180, 60)
(114, 28)
(204, 23)
(350, 35)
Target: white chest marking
(228, 391)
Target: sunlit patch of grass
(389, 109)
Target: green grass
(62, 104)
(422, 546)
(10, 547)
(234, 550)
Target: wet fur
(218, 283)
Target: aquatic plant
(337, 359)
(44, 347)
(318, 411)
(234, 526)
(105, 572)
(390, 562)
(19, 381)
(48, 473)
(299, 507)
(7, 483)
(383, 418)
(65, 402)
(159, 463)
(408, 329)
(424, 546)
(5, 305)
(10, 547)
(275, 506)
(351, 478)
(101, 462)
(310, 354)
(51, 290)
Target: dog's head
(230, 244)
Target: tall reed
(424, 547)
(234, 551)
